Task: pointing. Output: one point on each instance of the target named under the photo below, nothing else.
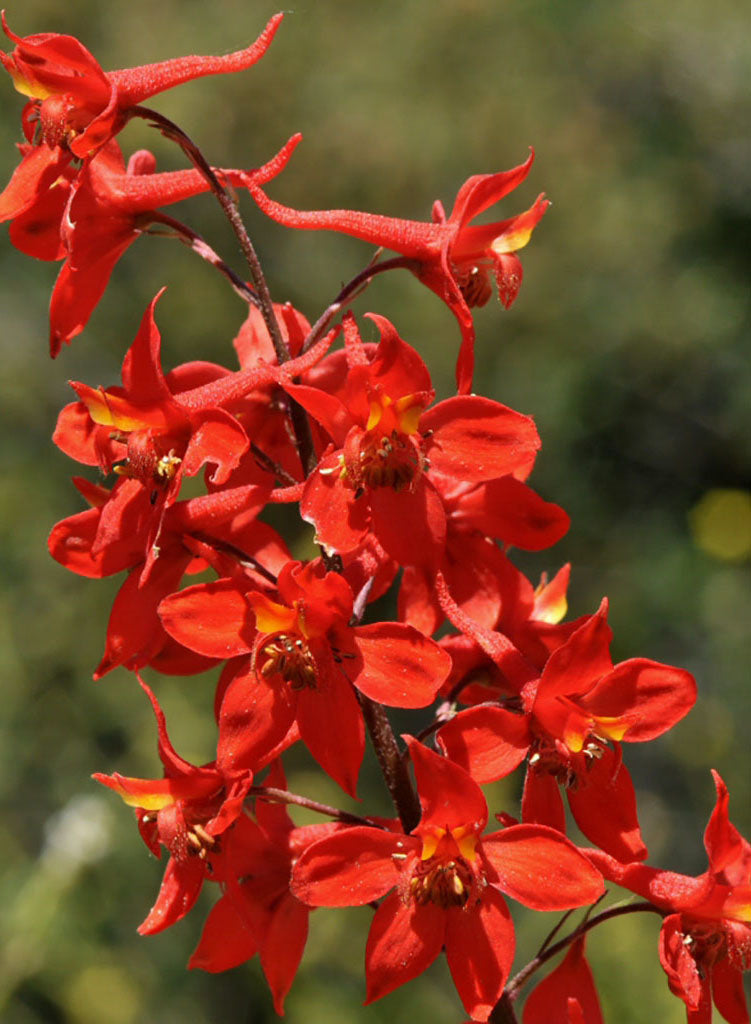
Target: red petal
(283, 947)
(541, 801)
(647, 695)
(449, 797)
(350, 868)
(331, 724)
(727, 992)
(476, 438)
(577, 664)
(134, 632)
(254, 717)
(726, 848)
(211, 618)
(487, 742)
(480, 951)
(482, 191)
(340, 519)
(604, 807)
(571, 979)
(226, 940)
(541, 869)
(30, 182)
(179, 891)
(509, 510)
(410, 524)
(397, 367)
(682, 971)
(404, 940)
(472, 566)
(417, 603)
(77, 292)
(332, 414)
(218, 439)
(400, 666)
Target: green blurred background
(628, 343)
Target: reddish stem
(514, 986)
(283, 796)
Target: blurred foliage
(629, 345)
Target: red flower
(476, 570)
(705, 939)
(388, 444)
(155, 436)
(258, 913)
(448, 881)
(117, 533)
(305, 659)
(91, 216)
(574, 718)
(187, 811)
(160, 428)
(79, 106)
(451, 256)
(530, 617)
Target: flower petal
(475, 438)
(404, 940)
(449, 797)
(480, 951)
(283, 947)
(646, 697)
(571, 980)
(226, 940)
(350, 868)
(488, 742)
(604, 808)
(400, 666)
(541, 868)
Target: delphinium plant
(426, 500)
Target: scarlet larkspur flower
(115, 534)
(475, 569)
(452, 256)
(530, 617)
(90, 217)
(258, 913)
(377, 478)
(448, 880)
(79, 106)
(573, 719)
(187, 811)
(157, 428)
(705, 939)
(303, 659)
(156, 435)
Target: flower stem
(519, 980)
(350, 291)
(300, 424)
(503, 1012)
(283, 796)
(393, 766)
(200, 246)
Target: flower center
(387, 461)
(553, 758)
(148, 458)
(474, 284)
(710, 941)
(447, 883)
(291, 658)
